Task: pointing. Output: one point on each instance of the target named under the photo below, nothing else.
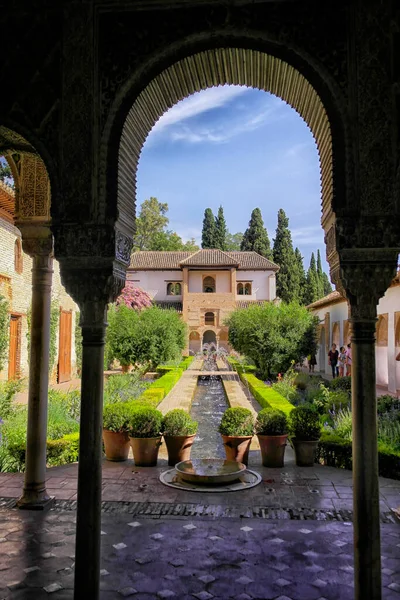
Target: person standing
(342, 360)
(348, 360)
(333, 360)
(312, 361)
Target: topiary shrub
(144, 423)
(178, 422)
(387, 403)
(304, 423)
(271, 422)
(237, 421)
(116, 416)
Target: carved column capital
(364, 278)
(37, 239)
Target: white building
(333, 313)
(204, 286)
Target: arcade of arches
(73, 129)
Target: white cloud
(197, 104)
(308, 235)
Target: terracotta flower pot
(179, 447)
(145, 451)
(116, 445)
(305, 452)
(237, 447)
(272, 449)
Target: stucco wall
(262, 288)
(155, 283)
(21, 294)
(222, 281)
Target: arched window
(209, 318)
(247, 289)
(209, 285)
(174, 289)
(18, 260)
(240, 289)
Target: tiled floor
(146, 558)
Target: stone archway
(209, 337)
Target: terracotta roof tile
(7, 198)
(333, 297)
(145, 260)
(210, 258)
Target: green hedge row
(265, 395)
(333, 451)
(59, 452)
(184, 364)
(241, 368)
(157, 391)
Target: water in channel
(208, 405)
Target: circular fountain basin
(210, 471)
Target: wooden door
(64, 359)
(14, 348)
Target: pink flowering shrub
(134, 297)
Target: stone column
(233, 282)
(40, 248)
(88, 524)
(367, 558)
(391, 354)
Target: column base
(35, 501)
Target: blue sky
(239, 147)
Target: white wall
(262, 284)
(195, 282)
(155, 283)
(222, 281)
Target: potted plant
(305, 430)
(272, 432)
(144, 429)
(237, 429)
(115, 435)
(179, 431)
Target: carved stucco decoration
(33, 195)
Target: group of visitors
(340, 360)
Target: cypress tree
(220, 230)
(320, 278)
(301, 276)
(326, 284)
(312, 282)
(256, 236)
(208, 233)
(286, 277)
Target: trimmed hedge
(157, 391)
(239, 367)
(333, 451)
(167, 368)
(59, 452)
(266, 396)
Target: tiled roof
(145, 260)
(210, 258)
(172, 305)
(332, 298)
(252, 260)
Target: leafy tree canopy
(150, 336)
(255, 237)
(5, 172)
(233, 241)
(273, 335)
(152, 232)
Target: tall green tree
(301, 276)
(151, 221)
(320, 276)
(255, 237)
(286, 278)
(170, 240)
(326, 284)
(209, 230)
(312, 291)
(220, 230)
(233, 241)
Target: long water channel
(209, 404)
